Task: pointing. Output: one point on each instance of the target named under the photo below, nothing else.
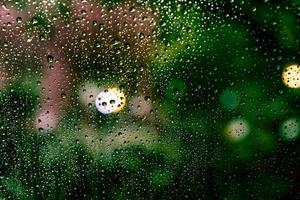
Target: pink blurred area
(128, 27)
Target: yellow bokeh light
(237, 129)
(291, 76)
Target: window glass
(149, 99)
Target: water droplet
(50, 58)
(101, 27)
(112, 101)
(19, 20)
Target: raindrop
(50, 58)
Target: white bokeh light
(111, 100)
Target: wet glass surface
(149, 99)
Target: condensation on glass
(149, 99)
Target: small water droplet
(101, 27)
(50, 58)
(19, 20)
(112, 101)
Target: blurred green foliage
(214, 61)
